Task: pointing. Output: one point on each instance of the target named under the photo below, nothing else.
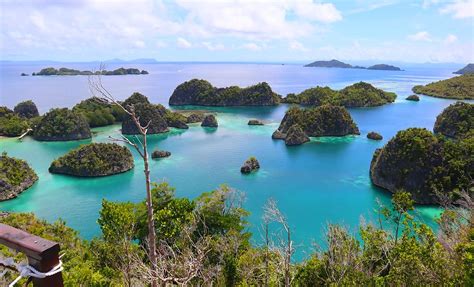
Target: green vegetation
(99, 112)
(357, 95)
(15, 176)
(324, 120)
(430, 168)
(414, 98)
(460, 87)
(95, 159)
(456, 121)
(72, 72)
(208, 235)
(147, 113)
(384, 67)
(26, 109)
(469, 69)
(12, 125)
(202, 93)
(62, 125)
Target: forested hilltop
(459, 88)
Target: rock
(96, 159)
(277, 135)
(250, 165)
(296, 136)
(456, 121)
(62, 125)
(324, 120)
(209, 121)
(160, 154)
(255, 123)
(15, 177)
(422, 164)
(147, 113)
(414, 98)
(201, 92)
(195, 118)
(23, 75)
(26, 109)
(374, 136)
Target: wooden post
(42, 254)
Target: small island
(72, 72)
(92, 160)
(456, 121)
(202, 93)
(459, 88)
(357, 95)
(15, 177)
(62, 125)
(413, 98)
(255, 123)
(209, 121)
(424, 165)
(160, 154)
(469, 69)
(195, 118)
(319, 121)
(99, 112)
(250, 165)
(338, 64)
(374, 136)
(147, 113)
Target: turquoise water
(324, 181)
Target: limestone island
(72, 72)
(374, 136)
(12, 124)
(250, 165)
(459, 88)
(413, 98)
(15, 177)
(62, 125)
(357, 95)
(99, 112)
(425, 165)
(456, 121)
(160, 154)
(202, 93)
(338, 64)
(319, 121)
(255, 123)
(469, 69)
(209, 121)
(95, 159)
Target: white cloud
(139, 44)
(322, 12)
(450, 39)
(366, 7)
(252, 47)
(183, 43)
(213, 47)
(297, 46)
(161, 44)
(420, 36)
(459, 9)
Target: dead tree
(284, 246)
(98, 90)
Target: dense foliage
(50, 71)
(324, 120)
(62, 125)
(460, 87)
(147, 113)
(12, 125)
(95, 159)
(26, 109)
(357, 95)
(202, 93)
(430, 168)
(456, 121)
(15, 176)
(99, 112)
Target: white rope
(26, 270)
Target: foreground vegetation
(205, 242)
(459, 88)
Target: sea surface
(322, 182)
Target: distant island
(338, 64)
(459, 88)
(469, 69)
(202, 93)
(71, 72)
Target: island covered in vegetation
(12, 124)
(460, 88)
(62, 125)
(95, 159)
(15, 177)
(338, 64)
(319, 121)
(202, 93)
(469, 69)
(456, 121)
(72, 72)
(357, 95)
(99, 112)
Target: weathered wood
(42, 254)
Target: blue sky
(275, 31)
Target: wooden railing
(42, 254)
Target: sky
(244, 30)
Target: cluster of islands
(50, 71)
(422, 162)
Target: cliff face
(15, 177)
(62, 125)
(456, 121)
(201, 92)
(96, 159)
